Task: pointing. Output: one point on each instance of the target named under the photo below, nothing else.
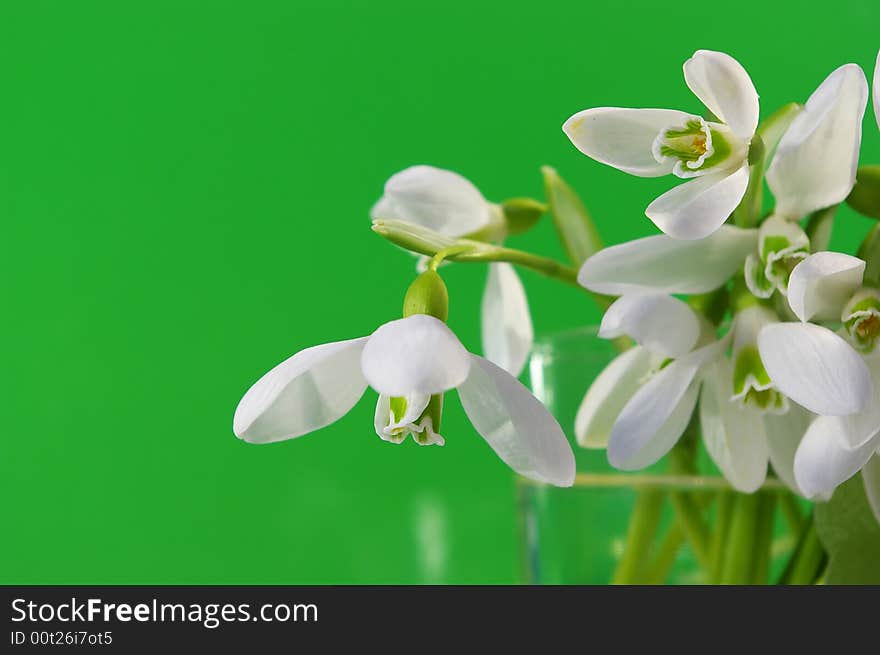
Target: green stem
(806, 564)
(791, 512)
(719, 536)
(763, 538)
(749, 209)
(669, 547)
(643, 523)
(446, 253)
(689, 516)
(737, 565)
(423, 241)
(688, 512)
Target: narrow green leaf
(870, 252)
(774, 126)
(865, 196)
(764, 143)
(819, 228)
(576, 229)
(850, 534)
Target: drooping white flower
(782, 245)
(407, 361)
(739, 406)
(448, 203)
(823, 371)
(816, 160)
(809, 363)
(711, 154)
(641, 403)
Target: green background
(184, 191)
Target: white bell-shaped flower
(434, 198)
(816, 160)
(639, 406)
(809, 363)
(448, 203)
(655, 142)
(407, 361)
(782, 245)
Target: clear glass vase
(579, 535)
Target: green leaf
(850, 534)
(576, 229)
(774, 126)
(870, 252)
(865, 196)
(763, 146)
(819, 228)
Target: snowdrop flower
(825, 372)
(639, 406)
(782, 245)
(814, 167)
(746, 421)
(816, 160)
(711, 154)
(641, 403)
(809, 363)
(447, 203)
(410, 362)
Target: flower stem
(807, 561)
(666, 554)
(749, 209)
(689, 517)
(719, 536)
(423, 241)
(791, 511)
(737, 565)
(688, 512)
(643, 523)
(763, 538)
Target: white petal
(820, 285)
(815, 163)
(608, 394)
(697, 208)
(418, 354)
(661, 263)
(821, 463)
(871, 473)
(623, 138)
(661, 323)
(877, 90)
(314, 388)
(506, 322)
(734, 436)
(516, 425)
(434, 198)
(656, 415)
(784, 434)
(722, 84)
(859, 428)
(815, 368)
